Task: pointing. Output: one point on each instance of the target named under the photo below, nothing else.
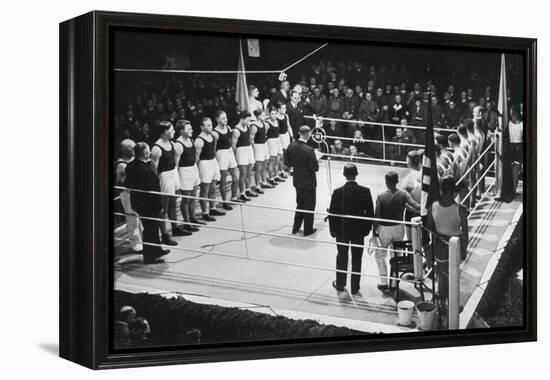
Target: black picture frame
(85, 190)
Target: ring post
(416, 238)
(498, 164)
(454, 282)
(383, 143)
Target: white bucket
(426, 314)
(405, 310)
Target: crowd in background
(342, 90)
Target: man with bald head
(146, 204)
(133, 225)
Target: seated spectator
(353, 152)
(139, 332)
(360, 145)
(339, 148)
(451, 118)
(418, 113)
(335, 105)
(408, 133)
(437, 112)
(335, 129)
(368, 109)
(318, 102)
(351, 105)
(193, 336)
(121, 329)
(399, 152)
(397, 111)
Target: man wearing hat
(301, 157)
(350, 199)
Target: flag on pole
(253, 47)
(241, 93)
(505, 191)
(430, 180)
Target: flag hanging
(505, 191)
(241, 93)
(430, 180)
(253, 47)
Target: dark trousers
(342, 261)
(305, 200)
(151, 234)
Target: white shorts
(274, 146)
(189, 177)
(285, 140)
(169, 181)
(209, 171)
(226, 159)
(134, 229)
(245, 155)
(260, 152)
(387, 235)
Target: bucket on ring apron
(405, 310)
(426, 314)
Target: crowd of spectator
(133, 331)
(340, 90)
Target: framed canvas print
(236, 189)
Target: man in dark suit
(295, 112)
(141, 176)
(356, 200)
(281, 95)
(300, 156)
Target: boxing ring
(250, 259)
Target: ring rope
(349, 158)
(472, 166)
(175, 71)
(303, 58)
(217, 253)
(320, 118)
(477, 183)
(225, 228)
(267, 207)
(374, 141)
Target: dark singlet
(260, 136)
(283, 125)
(224, 139)
(244, 137)
(167, 161)
(392, 206)
(273, 131)
(187, 157)
(207, 152)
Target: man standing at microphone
(301, 157)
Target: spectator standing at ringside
(141, 176)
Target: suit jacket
(141, 176)
(278, 96)
(350, 199)
(295, 116)
(301, 157)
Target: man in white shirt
(515, 126)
